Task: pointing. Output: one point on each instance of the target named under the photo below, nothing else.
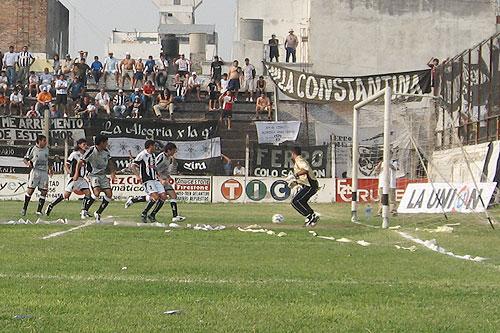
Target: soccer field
(234, 281)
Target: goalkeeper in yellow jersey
(303, 176)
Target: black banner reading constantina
(313, 88)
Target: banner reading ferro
(313, 88)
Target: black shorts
(227, 114)
(233, 84)
(214, 95)
(217, 77)
(62, 99)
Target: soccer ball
(278, 218)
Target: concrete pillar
(198, 53)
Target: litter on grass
(433, 245)
(172, 312)
(253, 229)
(208, 227)
(412, 248)
(23, 316)
(340, 240)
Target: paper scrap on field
(433, 245)
(340, 240)
(258, 229)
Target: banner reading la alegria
(313, 88)
(22, 130)
(449, 198)
(276, 132)
(198, 144)
(275, 161)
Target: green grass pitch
(231, 281)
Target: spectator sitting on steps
(165, 103)
(44, 98)
(263, 105)
(120, 105)
(194, 85)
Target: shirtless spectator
(126, 69)
(183, 65)
(138, 73)
(103, 101)
(263, 105)
(164, 103)
(234, 79)
(261, 86)
(291, 43)
(216, 71)
(161, 72)
(111, 68)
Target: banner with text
(276, 132)
(276, 161)
(437, 198)
(313, 88)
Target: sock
(103, 206)
(27, 199)
(41, 202)
(158, 206)
(150, 205)
(173, 204)
(139, 199)
(88, 201)
(58, 200)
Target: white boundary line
(61, 233)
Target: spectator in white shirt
(46, 80)
(183, 65)
(61, 86)
(103, 101)
(161, 70)
(9, 64)
(194, 84)
(224, 82)
(111, 68)
(16, 102)
(238, 170)
(249, 79)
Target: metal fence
(469, 85)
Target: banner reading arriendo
(313, 88)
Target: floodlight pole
(355, 152)
(386, 163)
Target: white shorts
(249, 85)
(114, 71)
(153, 186)
(78, 185)
(38, 178)
(100, 181)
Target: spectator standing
(33, 82)
(24, 61)
(291, 43)
(183, 65)
(224, 83)
(76, 90)
(165, 103)
(227, 165)
(16, 101)
(216, 71)
(111, 68)
(97, 69)
(148, 91)
(61, 86)
(103, 101)
(9, 64)
(227, 100)
(82, 70)
(67, 65)
(56, 64)
(234, 78)
(149, 70)
(213, 95)
(120, 105)
(138, 73)
(274, 52)
(249, 79)
(126, 69)
(239, 170)
(161, 72)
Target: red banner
(368, 188)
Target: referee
(303, 175)
(24, 61)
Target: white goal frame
(387, 94)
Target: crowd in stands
(140, 88)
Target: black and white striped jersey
(73, 160)
(165, 165)
(147, 166)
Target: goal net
(424, 185)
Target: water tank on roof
(252, 29)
